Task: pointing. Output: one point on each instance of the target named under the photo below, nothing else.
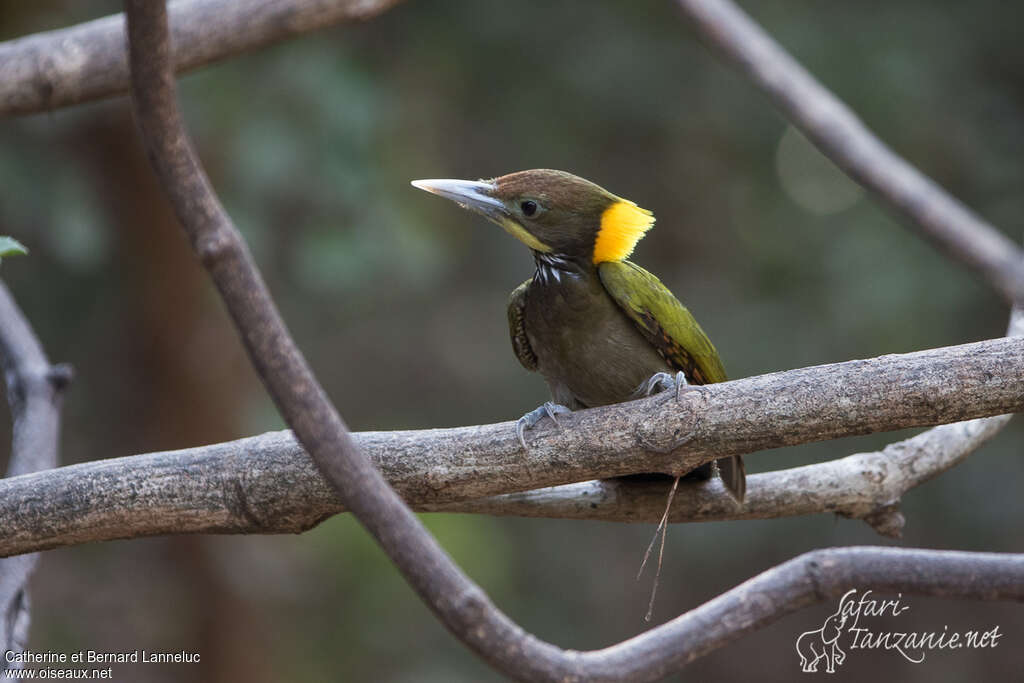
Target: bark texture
(267, 484)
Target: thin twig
(55, 69)
(34, 389)
(663, 529)
(844, 139)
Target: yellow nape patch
(622, 225)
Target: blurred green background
(398, 299)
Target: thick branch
(844, 139)
(34, 390)
(57, 68)
(265, 484)
(864, 486)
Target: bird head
(553, 212)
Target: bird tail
(734, 476)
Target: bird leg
(528, 421)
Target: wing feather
(663, 320)
(517, 327)
(674, 332)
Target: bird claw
(662, 381)
(529, 421)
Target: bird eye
(529, 208)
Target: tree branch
(805, 580)
(865, 486)
(844, 139)
(266, 484)
(58, 68)
(34, 389)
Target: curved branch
(803, 581)
(820, 575)
(34, 389)
(266, 484)
(844, 139)
(460, 604)
(58, 68)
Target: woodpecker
(599, 328)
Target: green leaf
(11, 247)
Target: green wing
(517, 327)
(665, 322)
(672, 330)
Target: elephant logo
(822, 644)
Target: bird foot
(662, 381)
(529, 421)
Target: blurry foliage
(11, 247)
(399, 302)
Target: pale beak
(474, 195)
